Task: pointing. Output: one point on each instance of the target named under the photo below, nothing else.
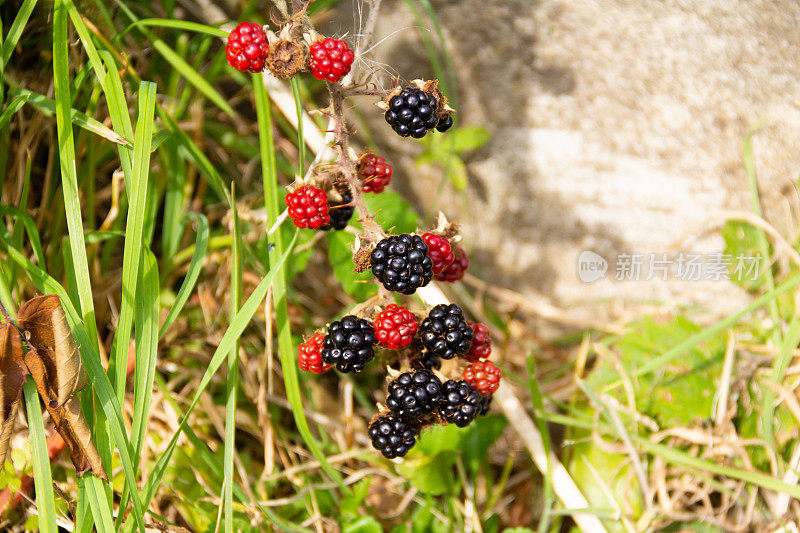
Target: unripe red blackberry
(413, 394)
(412, 112)
(348, 344)
(481, 347)
(340, 211)
(445, 333)
(309, 357)
(392, 435)
(247, 47)
(401, 263)
(374, 172)
(439, 251)
(395, 327)
(330, 59)
(460, 403)
(484, 376)
(456, 270)
(308, 207)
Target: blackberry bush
(308, 207)
(401, 263)
(348, 344)
(439, 251)
(247, 47)
(309, 357)
(484, 376)
(330, 59)
(374, 172)
(455, 271)
(445, 333)
(413, 394)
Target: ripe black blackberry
(413, 394)
(486, 402)
(444, 124)
(402, 264)
(459, 403)
(392, 435)
(348, 344)
(445, 333)
(412, 112)
(426, 360)
(340, 211)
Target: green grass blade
(137, 199)
(48, 107)
(101, 512)
(147, 307)
(233, 371)
(16, 29)
(285, 345)
(69, 180)
(12, 107)
(42, 477)
(232, 334)
(30, 228)
(195, 266)
(779, 366)
(541, 424)
(178, 25)
(301, 145)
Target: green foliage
(447, 151)
(429, 465)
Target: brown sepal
(286, 58)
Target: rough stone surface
(616, 126)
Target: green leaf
(12, 107)
(392, 212)
(429, 474)
(480, 436)
(358, 285)
(364, 524)
(349, 506)
(469, 138)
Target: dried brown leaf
(66, 416)
(12, 377)
(46, 329)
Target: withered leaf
(12, 377)
(46, 329)
(66, 416)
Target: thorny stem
(372, 230)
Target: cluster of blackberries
(413, 112)
(248, 50)
(404, 263)
(418, 397)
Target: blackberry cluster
(393, 436)
(486, 402)
(401, 263)
(348, 344)
(412, 112)
(439, 251)
(414, 394)
(460, 403)
(340, 212)
(445, 333)
(445, 123)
